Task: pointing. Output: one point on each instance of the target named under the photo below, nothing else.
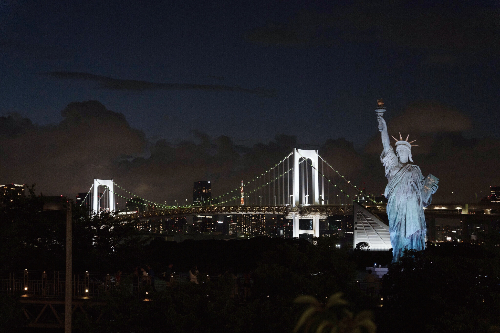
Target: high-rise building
(10, 192)
(202, 193)
(495, 193)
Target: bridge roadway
(229, 210)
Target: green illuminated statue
(407, 192)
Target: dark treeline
(453, 288)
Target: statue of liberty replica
(407, 192)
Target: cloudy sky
(189, 90)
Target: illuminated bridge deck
(328, 210)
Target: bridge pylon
(302, 183)
(99, 204)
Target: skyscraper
(11, 192)
(495, 193)
(202, 193)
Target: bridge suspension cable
(356, 188)
(261, 182)
(132, 195)
(272, 187)
(87, 195)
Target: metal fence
(52, 284)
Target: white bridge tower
(107, 203)
(305, 178)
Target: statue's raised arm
(382, 127)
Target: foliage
(436, 292)
(297, 268)
(285, 269)
(104, 244)
(34, 238)
(334, 316)
(31, 234)
(185, 307)
(362, 246)
(365, 259)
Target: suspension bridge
(301, 186)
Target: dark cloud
(14, 124)
(78, 112)
(422, 120)
(109, 83)
(346, 160)
(466, 167)
(94, 142)
(429, 117)
(63, 158)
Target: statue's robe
(405, 204)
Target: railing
(52, 284)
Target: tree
(362, 246)
(437, 291)
(334, 316)
(29, 236)
(103, 243)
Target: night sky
(178, 87)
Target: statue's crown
(405, 142)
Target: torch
(380, 108)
